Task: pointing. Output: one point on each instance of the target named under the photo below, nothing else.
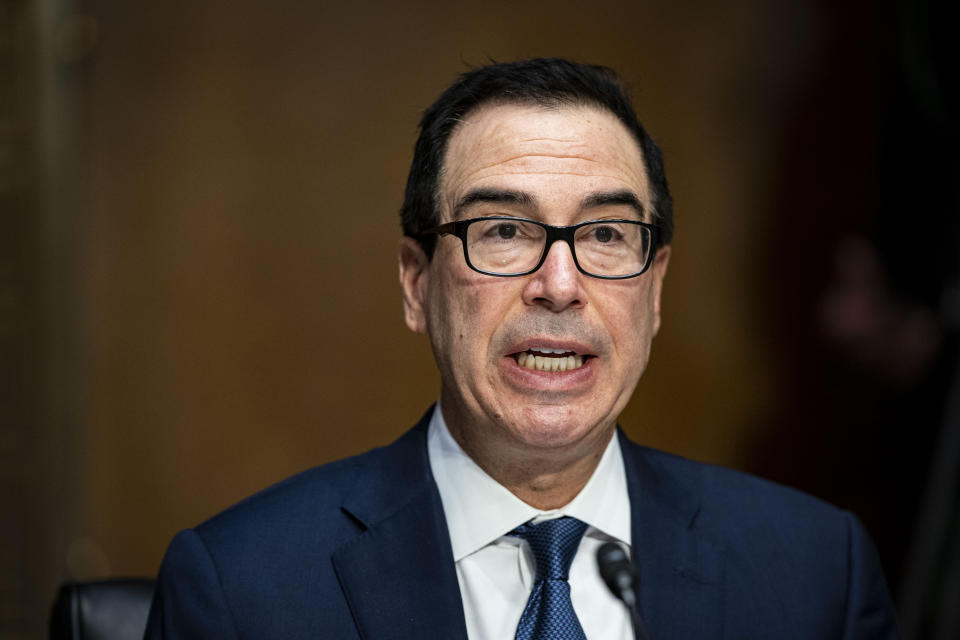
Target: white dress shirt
(495, 571)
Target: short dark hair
(546, 82)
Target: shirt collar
(479, 510)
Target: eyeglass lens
(603, 248)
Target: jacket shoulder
(792, 563)
(305, 505)
(264, 568)
(722, 494)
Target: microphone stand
(618, 574)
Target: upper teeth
(549, 363)
(548, 350)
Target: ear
(658, 270)
(414, 278)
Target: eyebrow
(607, 198)
(498, 196)
(525, 200)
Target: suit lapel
(399, 576)
(680, 571)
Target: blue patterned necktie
(549, 613)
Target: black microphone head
(615, 569)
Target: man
(537, 227)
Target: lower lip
(572, 380)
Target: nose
(557, 285)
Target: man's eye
(604, 234)
(506, 231)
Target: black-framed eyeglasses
(505, 246)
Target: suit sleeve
(869, 612)
(189, 601)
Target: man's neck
(547, 489)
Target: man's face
(559, 166)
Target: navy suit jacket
(359, 549)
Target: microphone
(617, 572)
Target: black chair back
(113, 609)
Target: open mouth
(545, 359)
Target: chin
(552, 427)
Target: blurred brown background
(198, 287)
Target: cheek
(460, 320)
(630, 318)
(443, 321)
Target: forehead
(555, 152)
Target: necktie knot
(553, 543)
